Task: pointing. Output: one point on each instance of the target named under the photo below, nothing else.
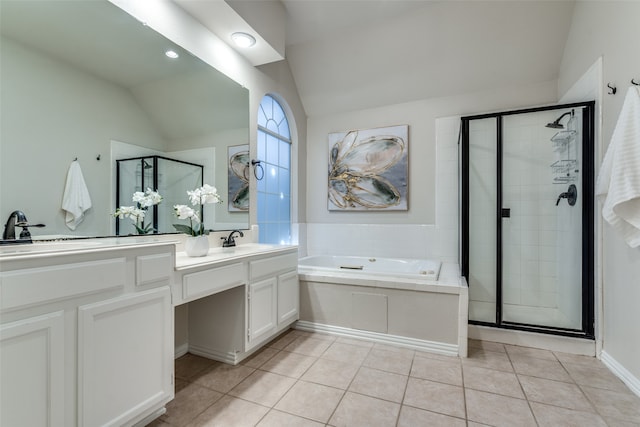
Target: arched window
(274, 189)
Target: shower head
(556, 123)
(146, 165)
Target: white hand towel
(618, 184)
(76, 200)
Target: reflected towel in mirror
(76, 200)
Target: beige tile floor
(304, 379)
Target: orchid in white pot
(198, 243)
(206, 194)
(144, 200)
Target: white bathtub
(419, 304)
(387, 267)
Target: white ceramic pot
(196, 246)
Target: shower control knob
(571, 195)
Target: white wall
(421, 117)
(610, 29)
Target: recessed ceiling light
(243, 39)
(172, 54)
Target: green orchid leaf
(184, 229)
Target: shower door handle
(505, 213)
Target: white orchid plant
(206, 194)
(143, 201)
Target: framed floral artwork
(368, 169)
(238, 178)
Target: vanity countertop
(219, 254)
(183, 262)
(73, 246)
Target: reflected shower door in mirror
(170, 178)
(528, 219)
(76, 76)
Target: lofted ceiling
(355, 54)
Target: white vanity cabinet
(262, 311)
(288, 298)
(272, 297)
(125, 357)
(86, 336)
(237, 303)
(32, 357)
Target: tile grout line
(524, 393)
(347, 388)
(404, 393)
(593, 405)
(464, 395)
(288, 389)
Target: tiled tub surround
(418, 314)
(305, 379)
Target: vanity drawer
(203, 283)
(154, 268)
(273, 265)
(32, 286)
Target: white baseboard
(412, 343)
(621, 372)
(181, 350)
(148, 419)
(220, 356)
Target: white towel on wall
(76, 200)
(618, 184)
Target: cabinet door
(125, 358)
(32, 368)
(288, 298)
(262, 312)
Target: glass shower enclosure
(528, 218)
(170, 177)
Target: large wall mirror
(87, 81)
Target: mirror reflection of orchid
(368, 169)
(206, 194)
(238, 179)
(144, 200)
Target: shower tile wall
(530, 235)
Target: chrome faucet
(19, 219)
(229, 242)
